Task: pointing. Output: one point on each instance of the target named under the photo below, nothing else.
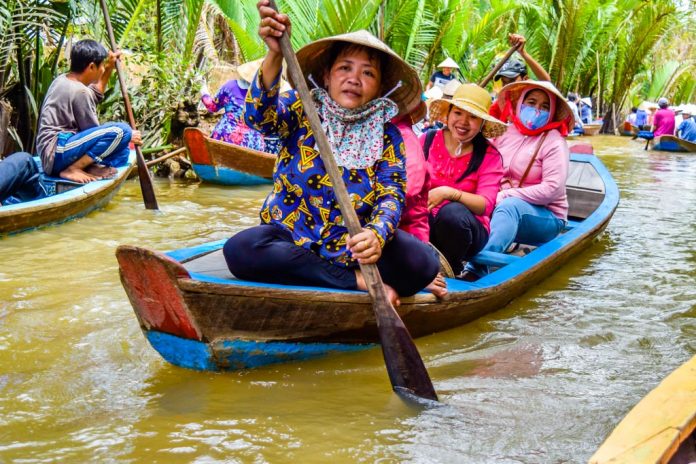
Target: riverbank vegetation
(619, 52)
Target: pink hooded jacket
(545, 184)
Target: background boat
(660, 428)
(670, 143)
(69, 201)
(227, 164)
(197, 315)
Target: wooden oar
(143, 174)
(500, 64)
(404, 364)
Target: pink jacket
(414, 218)
(545, 184)
(445, 170)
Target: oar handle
(404, 364)
(497, 67)
(143, 174)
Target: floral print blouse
(302, 200)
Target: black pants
(266, 253)
(457, 233)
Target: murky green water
(542, 380)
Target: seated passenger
(687, 129)
(465, 173)
(586, 110)
(663, 120)
(19, 178)
(532, 206)
(70, 140)
(231, 127)
(302, 239)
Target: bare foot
(391, 293)
(438, 287)
(77, 175)
(101, 172)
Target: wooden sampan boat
(227, 164)
(671, 143)
(628, 130)
(660, 428)
(70, 200)
(592, 129)
(198, 315)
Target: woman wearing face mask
(531, 206)
(465, 173)
(302, 239)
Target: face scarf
(356, 135)
(516, 115)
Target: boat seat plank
(211, 264)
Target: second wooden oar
(404, 364)
(497, 67)
(143, 174)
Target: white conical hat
(448, 63)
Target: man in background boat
(71, 142)
(19, 179)
(663, 120)
(515, 71)
(687, 129)
(444, 75)
(577, 125)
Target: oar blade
(404, 364)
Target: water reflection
(542, 380)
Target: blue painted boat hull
(200, 318)
(226, 176)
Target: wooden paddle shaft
(143, 174)
(500, 64)
(404, 364)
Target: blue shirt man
(687, 129)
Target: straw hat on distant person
(448, 63)
(397, 75)
(474, 100)
(248, 70)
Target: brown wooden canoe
(72, 202)
(198, 315)
(591, 129)
(225, 163)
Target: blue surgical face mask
(533, 118)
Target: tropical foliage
(617, 51)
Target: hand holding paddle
(404, 365)
(143, 174)
(500, 64)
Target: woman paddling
(302, 239)
(532, 206)
(465, 172)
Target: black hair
(480, 144)
(634, 110)
(85, 52)
(572, 97)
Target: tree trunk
(608, 122)
(5, 114)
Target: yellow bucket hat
(472, 99)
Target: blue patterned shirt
(302, 200)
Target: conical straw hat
(315, 60)
(448, 63)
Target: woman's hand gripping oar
(143, 174)
(404, 365)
